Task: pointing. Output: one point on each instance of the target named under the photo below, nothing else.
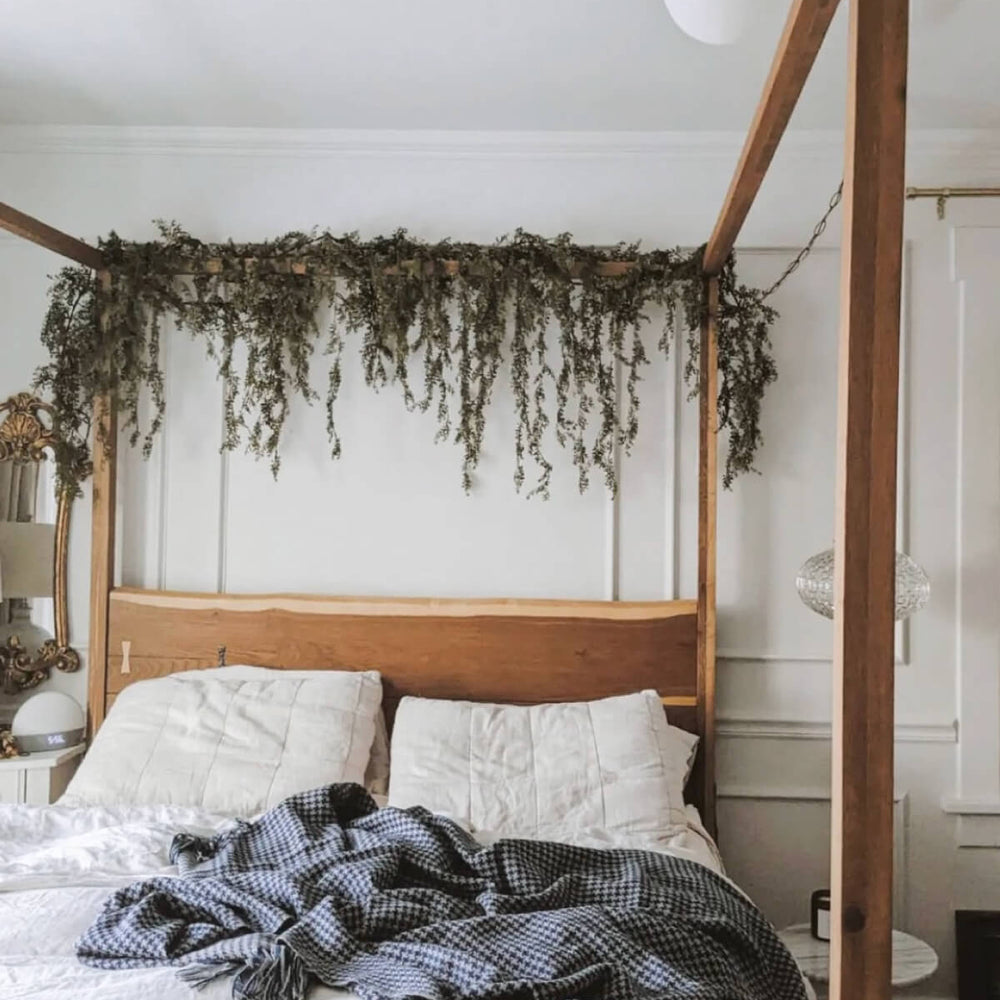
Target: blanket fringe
(274, 973)
(199, 976)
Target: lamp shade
(715, 22)
(27, 559)
(815, 585)
(49, 720)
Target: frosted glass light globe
(715, 22)
(815, 585)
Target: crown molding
(978, 148)
(172, 141)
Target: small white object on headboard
(126, 666)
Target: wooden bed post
(708, 393)
(102, 551)
(805, 28)
(862, 793)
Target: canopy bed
(668, 646)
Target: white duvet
(58, 864)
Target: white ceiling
(449, 64)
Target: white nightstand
(913, 960)
(38, 779)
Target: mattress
(58, 864)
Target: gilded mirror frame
(26, 435)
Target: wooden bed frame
(584, 645)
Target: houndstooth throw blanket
(400, 903)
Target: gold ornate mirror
(34, 534)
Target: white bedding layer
(57, 865)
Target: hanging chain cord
(807, 249)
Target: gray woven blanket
(400, 903)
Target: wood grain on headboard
(517, 651)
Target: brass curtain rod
(942, 194)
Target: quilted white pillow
(541, 771)
(229, 745)
(377, 773)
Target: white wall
(391, 517)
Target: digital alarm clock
(50, 720)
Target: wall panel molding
(613, 511)
(760, 656)
(776, 796)
(222, 578)
(777, 793)
(978, 821)
(978, 831)
(971, 807)
(902, 630)
(737, 655)
(796, 729)
(975, 255)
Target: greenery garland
(441, 335)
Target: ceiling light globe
(715, 22)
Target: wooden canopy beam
(289, 265)
(804, 32)
(44, 235)
(52, 239)
(864, 580)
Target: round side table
(913, 960)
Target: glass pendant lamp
(815, 585)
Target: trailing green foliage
(539, 313)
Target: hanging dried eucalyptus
(439, 321)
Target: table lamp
(27, 567)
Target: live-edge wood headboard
(516, 651)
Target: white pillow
(376, 774)
(681, 748)
(543, 771)
(229, 744)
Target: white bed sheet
(57, 865)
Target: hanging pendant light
(715, 22)
(815, 585)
